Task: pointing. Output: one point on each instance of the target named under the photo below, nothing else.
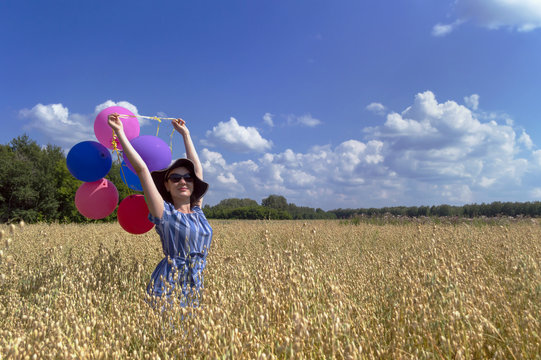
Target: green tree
(30, 180)
(277, 202)
(423, 211)
(25, 185)
(412, 211)
(233, 203)
(48, 205)
(66, 187)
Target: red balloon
(133, 213)
(97, 199)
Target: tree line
(36, 186)
(272, 207)
(494, 209)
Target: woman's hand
(180, 126)
(115, 123)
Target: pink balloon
(97, 199)
(103, 131)
(133, 213)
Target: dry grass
(278, 290)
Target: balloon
(103, 131)
(130, 178)
(97, 199)
(133, 215)
(154, 151)
(89, 161)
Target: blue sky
(328, 103)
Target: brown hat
(199, 186)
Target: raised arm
(180, 126)
(153, 197)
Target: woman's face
(179, 183)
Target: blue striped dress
(185, 240)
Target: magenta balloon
(97, 199)
(103, 131)
(153, 150)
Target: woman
(174, 196)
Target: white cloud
(537, 157)
(62, 127)
(352, 152)
(58, 125)
(376, 108)
(222, 177)
(486, 182)
(445, 142)
(444, 29)
(317, 178)
(235, 137)
(535, 193)
(457, 193)
(430, 153)
(525, 140)
(523, 15)
(520, 15)
(304, 120)
(267, 119)
(472, 101)
(227, 179)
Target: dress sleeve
(198, 210)
(166, 213)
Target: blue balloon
(89, 161)
(130, 178)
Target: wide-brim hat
(199, 186)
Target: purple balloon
(153, 150)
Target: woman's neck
(183, 206)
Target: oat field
(278, 290)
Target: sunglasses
(176, 177)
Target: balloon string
(117, 151)
(159, 120)
(147, 117)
